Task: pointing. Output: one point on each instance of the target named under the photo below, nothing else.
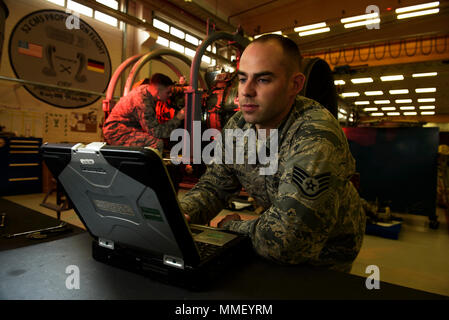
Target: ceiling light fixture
(407, 108)
(361, 103)
(360, 17)
(381, 101)
(399, 91)
(426, 74)
(427, 113)
(393, 114)
(392, 78)
(310, 27)
(388, 108)
(426, 100)
(374, 93)
(410, 113)
(315, 31)
(418, 13)
(424, 90)
(403, 101)
(417, 10)
(361, 80)
(339, 82)
(427, 107)
(350, 94)
(377, 114)
(361, 23)
(370, 109)
(418, 7)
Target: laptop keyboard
(206, 249)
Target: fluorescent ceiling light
(350, 94)
(342, 111)
(361, 23)
(361, 103)
(362, 80)
(381, 101)
(399, 91)
(370, 109)
(426, 74)
(339, 82)
(418, 7)
(374, 93)
(426, 100)
(403, 101)
(392, 78)
(427, 107)
(361, 17)
(424, 90)
(410, 113)
(308, 33)
(418, 13)
(310, 27)
(377, 114)
(428, 113)
(407, 108)
(388, 108)
(393, 114)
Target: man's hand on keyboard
(229, 217)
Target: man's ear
(298, 82)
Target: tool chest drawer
(20, 165)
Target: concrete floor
(419, 259)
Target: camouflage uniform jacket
(313, 213)
(133, 121)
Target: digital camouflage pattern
(313, 213)
(133, 122)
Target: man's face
(266, 91)
(164, 93)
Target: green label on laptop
(151, 214)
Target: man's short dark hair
(289, 47)
(160, 79)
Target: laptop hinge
(173, 262)
(106, 243)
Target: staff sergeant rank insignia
(311, 187)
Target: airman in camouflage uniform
(133, 121)
(313, 213)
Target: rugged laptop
(125, 198)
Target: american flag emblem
(30, 49)
(311, 186)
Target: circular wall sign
(59, 48)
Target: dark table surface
(39, 272)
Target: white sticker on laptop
(115, 207)
(87, 161)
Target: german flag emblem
(311, 186)
(96, 66)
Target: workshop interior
(380, 67)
